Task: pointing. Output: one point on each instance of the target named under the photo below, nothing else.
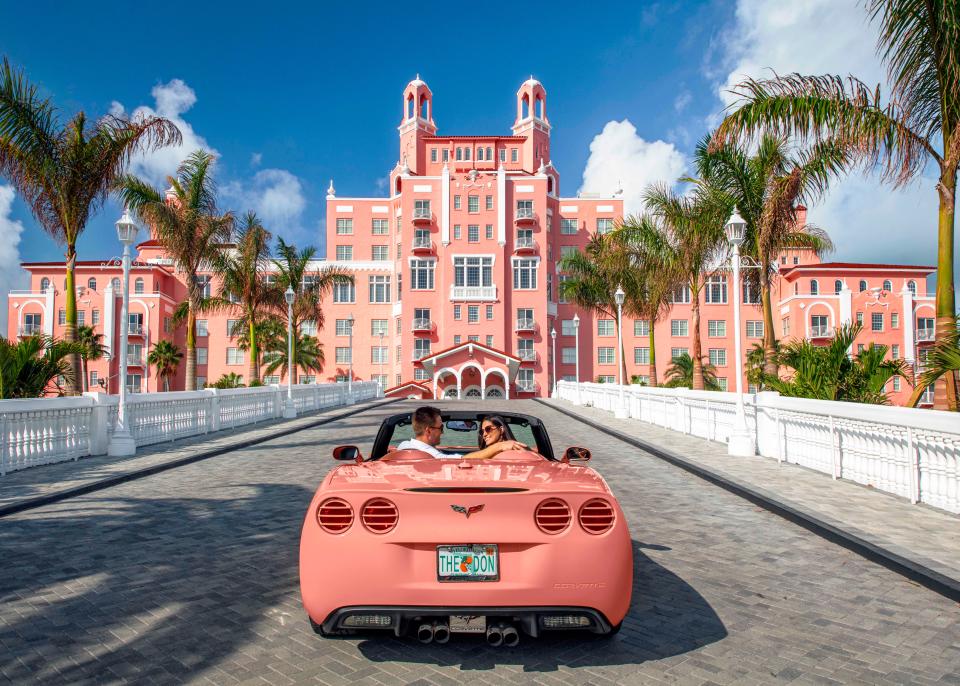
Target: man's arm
(495, 449)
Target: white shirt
(414, 444)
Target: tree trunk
(74, 385)
(166, 383)
(770, 366)
(254, 367)
(83, 366)
(945, 389)
(695, 323)
(191, 382)
(653, 353)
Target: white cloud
(275, 195)
(11, 274)
(682, 101)
(171, 100)
(620, 158)
(255, 159)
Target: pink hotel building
(455, 283)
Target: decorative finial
(542, 169)
(331, 191)
(404, 169)
(418, 76)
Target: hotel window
(472, 271)
(895, 351)
(205, 285)
(525, 349)
(399, 350)
(308, 327)
(421, 347)
(489, 340)
(456, 232)
(91, 284)
(344, 227)
(718, 357)
(567, 328)
(94, 379)
(715, 290)
(896, 384)
(796, 260)
(421, 238)
(381, 227)
(912, 287)
(605, 356)
(201, 355)
(340, 378)
(456, 202)
(231, 325)
(837, 286)
(722, 383)
(818, 324)
(860, 318)
(379, 289)
(925, 328)
(343, 356)
(234, 356)
(681, 294)
(568, 355)
(677, 353)
(467, 153)
(457, 312)
(549, 285)
(641, 355)
(473, 204)
(894, 320)
(785, 326)
(473, 233)
(446, 155)
(312, 378)
(863, 285)
(473, 314)
(525, 274)
(343, 327)
(421, 274)
(503, 154)
(45, 283)
(201, 327)
(473, 339)
(419, 374)
(605, 327)
(489, 311)
(94, 317)
(876, 321)
(344, 291)
(641, 327)
(716, 328)
(514, 152)
(887, 285)
(480, 154)
(344, 253)
(400, 248)
(754, 329)
(860, 348)
(606, 378)
(561, 279)
(604, 226)
(459, 154)
(567, 250)
(569, 227)
(380, 253)
(814, 287)
(134, 383)
(457, 339)
(378, 327)
(489, 153)
(751, 293)
(679, 327)
(421, 209)
(489, 232)
(524, 209)
(399, 321)
(489, 202)
(378, 354)
(433, 154)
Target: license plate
(468, 563)
(468, 624)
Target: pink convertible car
(519, 544)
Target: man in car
(428, 430)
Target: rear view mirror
(462, 425)
(347, 453)
(575, 454)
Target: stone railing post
(213, 409)
(99, 435)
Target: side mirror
(347, 453)
(575, 454)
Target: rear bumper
(405, 619)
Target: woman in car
(493, 430)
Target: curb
(917, 572)
(40, 501)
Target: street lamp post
(122, 443)
(350, 363)
(553, 338)
(619, 296)
(576, 343)
(383, 381)
(741, 440)
(289, 409)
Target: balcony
(525, 215)
(422, 215)
(473, 293)
(524, 244)
(925, 335)
(135, 330)
(822, 332)
(423, 244)
(527, 355)
(526, 325)
(526, 386)
(422, 325)
(30, 330)
(419, 355)
(134, 360)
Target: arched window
(539, 107)
(92, 284)
(459, 154)
(814, 287)
(466, 153)
(549, 184)
(397, 185)
(115, 283)
(410, 106)
(837, 286)
(863, 285)
(912, 286)
(480, 154)
(44, 283)
(525, 106)
(138, 286)
(489, 154)
(424, 112)
(887, 285)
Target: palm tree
(312, 285)
(165, 356)
(28, 367)
(829, 373)
(680, 374)
(64, 172)
(92, 349)
(307, 351)
(921, 123)
(685, 236)
(767, 187)
(243, 272)
(231, 380)
(943, 359)
(189, 227)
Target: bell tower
(416, 123)
(532, 123)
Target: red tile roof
(856, 266)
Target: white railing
(526, 325)
(422, 243)
(46, 430)
(821, 332)
(524, 213)
(473, 292)
(925, 334)
(526, 386)
(525, 242)
(422, 213)
(421, 324)
(527, 355)
(912, 453)
(30, 330)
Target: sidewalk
(38, 486)
(920, 541)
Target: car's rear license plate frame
(468, 624)
(446, 573)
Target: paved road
(191, 576)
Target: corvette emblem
(466, 512)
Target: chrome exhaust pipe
(511, 636)
(441, 632)
(494, 636)
(425, 633)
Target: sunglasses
(438, 428)
(492, 427)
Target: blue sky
(305, 92)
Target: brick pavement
(190, 575)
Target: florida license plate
(468, 563)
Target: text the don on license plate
(467, 562)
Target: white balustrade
(46, 430)
(909, 452)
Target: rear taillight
(596, 516)
(334, 515)
(552, 516)
(379, 515)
